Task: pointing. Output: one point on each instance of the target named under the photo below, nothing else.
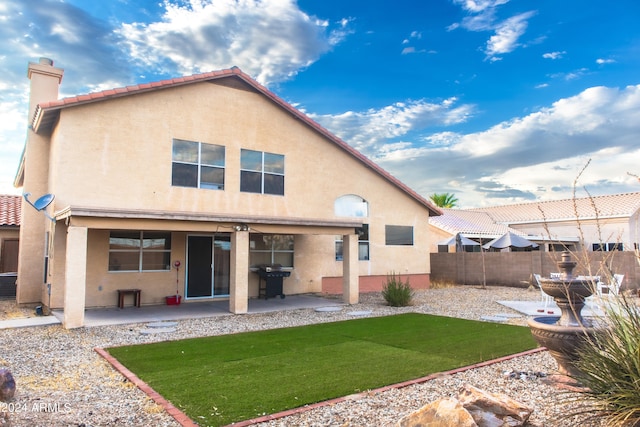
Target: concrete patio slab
(191, 310)
(25, 322)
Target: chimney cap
(46, 61)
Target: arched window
(352, 206)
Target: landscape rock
(472, 408)
(7, 385)
(493, 410)
(441, 413)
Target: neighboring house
(9, 232)
(601, 223)
(9, 239)
(212, 172)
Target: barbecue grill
(272, 275)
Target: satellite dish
(43, 202)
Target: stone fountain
(563, 335)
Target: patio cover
(508, 240)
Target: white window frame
(199, 165)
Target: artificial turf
(223, 379)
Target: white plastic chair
(544, 298)
(613, 287)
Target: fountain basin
(562, 342)
(563, 336)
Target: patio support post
(75, 277)
(239, 275)
(350, 272)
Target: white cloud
(269, 39)
(534, 156)
(554, 55)
(477, 6)
(507, 34)
(601, 61)
(370, 131)
(482, 17)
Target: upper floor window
(399, 235)
(139, 250)
(261, 172)
(196, 164)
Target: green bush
(609, 365)
(396, 292)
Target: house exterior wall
(31, 284)
(107, 161)
(117, 154)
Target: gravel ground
(61, 381)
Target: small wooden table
(123, 292)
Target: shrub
(609, 365)
(396, 292)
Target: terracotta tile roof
(10, 210)
(609, 206)
(469, 223)
(497, 219)
(46, 115)
(142, 87)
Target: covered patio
(160, 313)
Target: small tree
(444, 200)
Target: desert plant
(609, 365)
(608, 361)
(396, 292)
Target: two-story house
(187, 185)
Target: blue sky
(496, 101)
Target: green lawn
(223, 379)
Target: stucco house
(9, 243)
(9, 232)
(187, 185)
(600, 223)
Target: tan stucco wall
(44, 81)
(117, 155)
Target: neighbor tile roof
(10, 210)
(497, 219)
(47, 113)
(609, 206)
(469, 223)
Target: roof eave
(18, 181)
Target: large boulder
(493, 410)
(441, 413)
(7, 385)
(472, 408)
